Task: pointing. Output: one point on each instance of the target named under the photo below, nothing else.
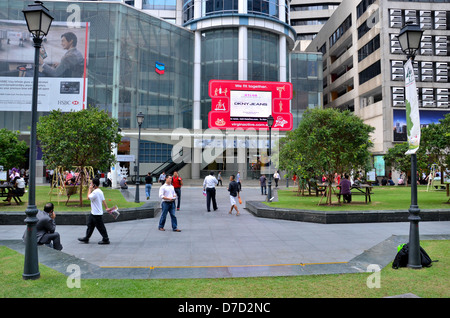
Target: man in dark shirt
(345, 189)
(71, 64)
(148, 184)
(233, 188)
(262, 181)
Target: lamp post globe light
(410, 37)
(269, 152)
(38, 20)
(140, 120)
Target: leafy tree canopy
(435, 139)
(78, 139)
(434, 149)
(398, 160)
(81, 138)
(12, 150)
(327, 141)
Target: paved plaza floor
(217, 244)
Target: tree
(78, 139)
(396, 158)
(330, 141)
(291, 159)
(435, 139)
(12, 150)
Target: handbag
(240, 200)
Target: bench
(365, 190)
(318, 188)
(5, 194)
(71, 190)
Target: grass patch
(43, 195)
(383, 198)
(432, 282)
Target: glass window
(263, 56)
(219, 61)
(307, 79)
(154, 152)
(370, 72)
(159, 4)
(264, 7)
(210, 7)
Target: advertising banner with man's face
(62, 67)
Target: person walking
(148, 184)
(209, 185)
(233, 188)
(162, 178)
(219, 178)
(97, 198)
(167, 195)
(238, 180)
(177, 183)
(276, 177)
(262, 181)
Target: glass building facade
(123, 47)
(136, 62)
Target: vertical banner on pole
(412, 109)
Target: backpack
(401, 259)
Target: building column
(116, 89)
(243, 53)
(242, 76)
(282, 44)
(196, 107)
(283, 57)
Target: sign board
(125, 158)
(247, 104)
(63, 79)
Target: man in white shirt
(95, 195)
(209, 185)
(168, 196)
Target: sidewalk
(217, 244)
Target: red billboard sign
(247, 104)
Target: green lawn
(383, 198)
(432, 282)
(43, 195)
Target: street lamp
(409, 37)
(38, 20)
(140, 120)
(269, 152)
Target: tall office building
(307, 18)
(363, 63)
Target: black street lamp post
(410, 37)
(38, 20)
(269, 152)
(140, 120)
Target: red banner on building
(247, 104)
